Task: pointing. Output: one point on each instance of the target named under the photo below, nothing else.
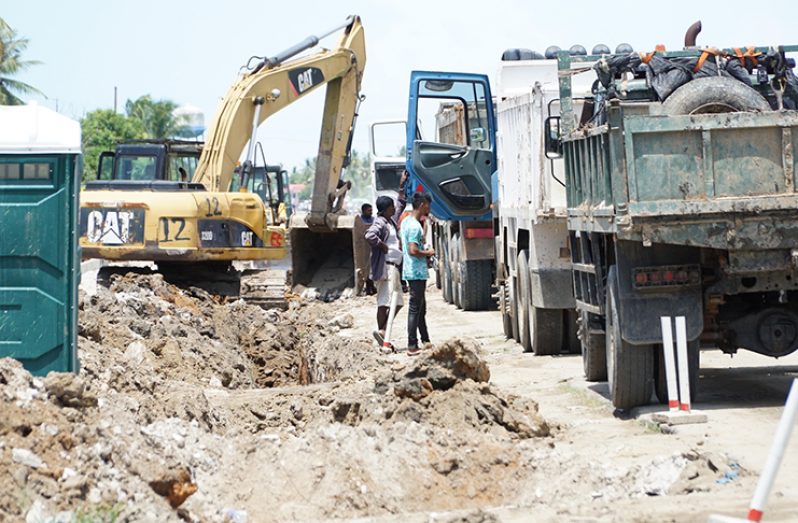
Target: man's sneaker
(379, 337)
(413, 351)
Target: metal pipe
(307, 43)
(247, 168)
(691, 34)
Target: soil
(192, 407)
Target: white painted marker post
(677, 376)
(670, 364)
(683, 364)
(765, 483)
(783, 433)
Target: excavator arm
(273, 85)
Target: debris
(176, 486)
(27, 458)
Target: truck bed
(688, 179)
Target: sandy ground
(190, 408)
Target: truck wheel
(438, 266)
(714, 95)
(513, 304)
(630, 368)
(457, 280)
(594, 351)
(448, 290)
(546, 330)
(504, 307)
(476, 280)
(694, 361)
(571, 343)
(522, 301)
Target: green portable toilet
(39, 261)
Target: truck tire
(523, 302)
(475, 281)
(594, 350)
(660, 380)
(630, 368)
(571, 343)
(513, 304)
(446, 277)
(714, 95)
(504, 307)
(457, 288)
(438, 266)
(546, 330)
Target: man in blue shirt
(414, 270)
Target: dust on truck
(681, 202)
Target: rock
(27, 458)
(414, 389)
(135, 352)
(175, 485)
(343, 321)
(69, 390)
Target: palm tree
(11, 63)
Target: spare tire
(717, 94)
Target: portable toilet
(40, 164)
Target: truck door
(455, 109)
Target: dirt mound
(184, 400)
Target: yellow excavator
(197, 228)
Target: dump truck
(533, 265)
(680, 177)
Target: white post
(776, 454)
(670, 364)
(683, 363)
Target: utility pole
(114, 99)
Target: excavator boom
(203, 222)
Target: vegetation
(155, 115)
(358, 172)
(103, 129)
(11, 63)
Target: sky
(190, 51)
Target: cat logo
(109, 228)
(305, 80)
(246, 238)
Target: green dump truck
(681, 193)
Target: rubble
(187, 406)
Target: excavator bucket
(329, 264)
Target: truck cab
(455, 166)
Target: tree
(102, 130)
(11, 63)
(155, 115)
(358, 172)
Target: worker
(415, 271)
(386, 258)
(366, 214)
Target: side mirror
(553, 142)
(477, 134)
